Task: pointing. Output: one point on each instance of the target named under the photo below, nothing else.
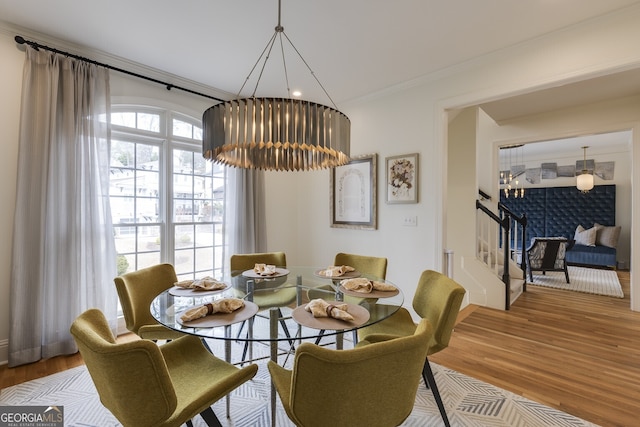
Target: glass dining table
(274, 310)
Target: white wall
(306, 235)
(461, 171)
(406, 119)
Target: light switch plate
(410, 221)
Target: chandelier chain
(266, 53)
(264, 64)
(310, 70)
(269, 43)
(284, 65)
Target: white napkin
(336, 271)
(225, 305)
(265, 269)
(320, 308)
(365, 286)
(205, 284)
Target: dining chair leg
(285, 328)
(430, 382)
(206, 345)
(247, 343)
(241, 328)
(321, 334)
(210, 418)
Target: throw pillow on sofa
(607, 236)
(585, 237)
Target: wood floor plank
(576, 352)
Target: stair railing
(494, 237)
(519, 231)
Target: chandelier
(510, 177)
(584, 181)
(282, 134)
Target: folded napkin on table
(204, 284)
(365, 286)
(320, 308)
(336, 270)
(225, 305)
(264, 269)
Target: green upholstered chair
(370, 265)
(136, 290)
(372, 385)
(242, 262)
(144, 384)
(278, 297)
(438, 299)
(375, 266)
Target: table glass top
(289, 288)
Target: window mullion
(168, 226)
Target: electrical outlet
(410, 221)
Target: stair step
(516, 284)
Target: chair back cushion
(137, 289)
(131, 378)
(372, 385)
(242, 262)
(547, 253)
(438, 299)
(374, 266)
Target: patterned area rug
(587, 280)
(469, 403)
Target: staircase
(496, 235)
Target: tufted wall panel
(534, 205)
(557, 211)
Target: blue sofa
(600, 256)
(558, 211)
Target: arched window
(167, 202)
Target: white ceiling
(622, 84)
(355, 47)
(598, 144)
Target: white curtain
(245, 222)
(63, 246)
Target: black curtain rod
(169, 86)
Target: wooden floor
(575, 352)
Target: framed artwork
(353, 194)
(402, 178)
(589, 165)
(549, 170)
(533, 175)
(566, 171)
(605, 170)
